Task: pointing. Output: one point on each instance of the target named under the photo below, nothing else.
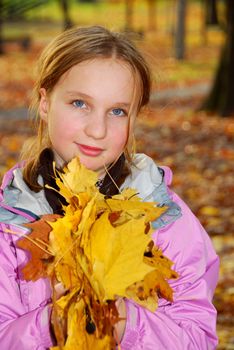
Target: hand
(121, 325)
(59, 290)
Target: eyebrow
(85, 96)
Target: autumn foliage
(101, 249)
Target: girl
(91, 85)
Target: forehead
(102, 63)
(111, 75)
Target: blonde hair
(66, 50)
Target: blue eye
(79, 104)
(118, 112)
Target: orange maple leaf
(36, 243)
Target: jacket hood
(17, 198)
(145, 177)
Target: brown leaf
(36, 244)
(114, 216)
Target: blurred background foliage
(154, 24)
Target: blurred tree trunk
(152, 14)
(211, 12)
(129, 15)
(180, 29)
(66, 17)
(210, 18)
(1, 25)
(221, 97)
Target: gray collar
(19, 195)
(145, 177)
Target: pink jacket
(187, 323)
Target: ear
(44, 105)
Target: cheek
(119, 134)
(60, 128)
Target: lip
(89, 150)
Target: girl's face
(87, 112)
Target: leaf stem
(31, 240)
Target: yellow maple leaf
(147, 291)
(102, 249)
(114, 248)
(131, 205)
(155, 258)
(77, 178)
(61, 242)
(77, 338)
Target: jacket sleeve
(189, 322)
(20, 327)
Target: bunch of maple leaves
(101, 249)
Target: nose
(96, 125)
